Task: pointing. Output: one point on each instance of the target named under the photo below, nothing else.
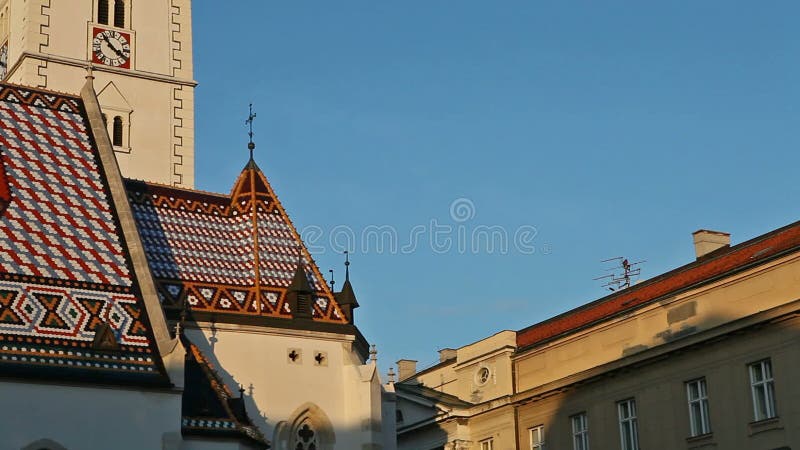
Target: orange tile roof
(718, 263)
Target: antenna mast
(623, 273)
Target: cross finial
(250, 145)
(346, 265)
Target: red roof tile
(716, 264)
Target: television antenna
(623, 273)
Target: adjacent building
(704, 356)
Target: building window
(487, 444)
(119, 13)
(628, 428)
(697, 395)
(306, 438)
(762, 385)
(580, 432)
(482, 375)
(102, 12)
(116, 137)
(537, 437)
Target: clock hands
(119, 53)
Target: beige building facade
(704, 356)
(140, 53)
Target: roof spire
(333, 282)
(346, 266)
(250, 145)
(347, 298)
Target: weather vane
(251, 145)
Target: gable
(231, 255)
(111, 98)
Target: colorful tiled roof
(64, 267)
(215, 252)
(717, 264)
(209, 407)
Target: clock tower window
(102, 12)
(117, 132)
(119, 13)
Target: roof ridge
(653, 283)
(40, 90)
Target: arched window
(116, 138)
(306, 437)
(309, 430)
(119, 13)
(102, 12)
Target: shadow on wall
(307, 423)
(653, 394)
(259, 417)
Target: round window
(482, 376)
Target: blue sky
(610, 128)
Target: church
(136, 311)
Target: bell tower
(140, 52)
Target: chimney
(706, 241)
(447, 353)
(406, 368)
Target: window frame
(702, 401)
(539, 443)
(768, 385)
(580, 437)
(487, 444)
(632, 420)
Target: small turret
(347, 297)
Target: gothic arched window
(119, 13)
(306, 437)
(116, 138)
(102, 12)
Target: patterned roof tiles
(215, 252)
(64, 270)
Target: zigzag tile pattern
(64, 269)
(59, 224)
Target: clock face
(3, 60)
(111, 48)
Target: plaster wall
(671, 319)
(278, 389)
(662, 406)
(89, 417)
(50, 47)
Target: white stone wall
(345, 391)
(49, 47)
(87, 418)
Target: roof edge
(119, 196)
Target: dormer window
(116, 117)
